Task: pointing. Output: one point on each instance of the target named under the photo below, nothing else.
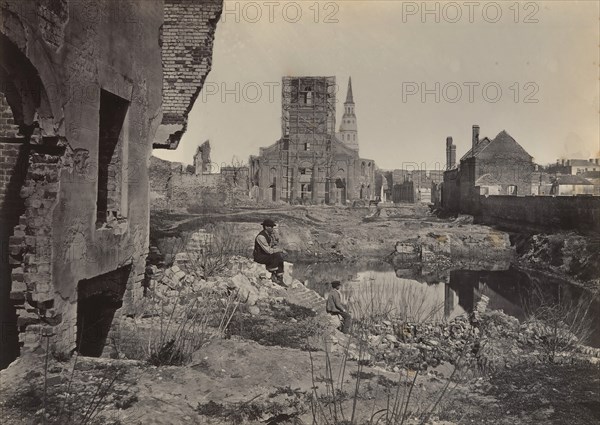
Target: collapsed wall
(81, 99)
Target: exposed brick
(187, 35)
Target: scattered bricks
(30, 241)
(42, 296)
(26, 318)
(17, 275)
(28, 307)
(17, 291)
(33, 203)
(16, 245)
(41, 288)
(27, 191)
(30, 278)
(29, 259)
(14, 260)
(50, 190)
(43, 268)
(31, 268)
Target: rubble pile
(565, 254)
(495, 341)
(249, 281)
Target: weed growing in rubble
(208, 253)
(215, 256)
(388, 300)
(280, 406)
(80, 394)
(285, 325)
(171, 326)
(562, 325)
(180, 330)
(335, 404)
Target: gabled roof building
(498, 166)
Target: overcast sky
(537, 78)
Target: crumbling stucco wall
(78, 75)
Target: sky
(421, 71)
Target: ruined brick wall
(8, 128)
(451, 191)
(559, 212)
(13, 167)
(63, 56)
(58, 56)
(173, 187)
(159, 173)
(187, 41)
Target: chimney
(449, 157)
(475, 140)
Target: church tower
(348, 131)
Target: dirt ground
(236, 380)
(328, 233)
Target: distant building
(309, 163)
(575, 166)
(568, 185)
(237, 176)
(541, 183)
(202, 159)
(498, 166)
(402, 185)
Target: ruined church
(312, 163)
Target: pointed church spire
(348, 132)
(349, 98)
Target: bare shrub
(404, 400)
(561, 326)
(212, 256)
(172, 325)
(390, 300)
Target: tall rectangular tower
(308, 128)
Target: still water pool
(376, 288)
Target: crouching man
(268, 252)
(336, 307)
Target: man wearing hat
(336, 307)
(267, 251)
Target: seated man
(335, 306)
(267, 251)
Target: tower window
(307, 146)
(308, 96)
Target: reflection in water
(377, 289)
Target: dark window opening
(308, 96)
(112, 116)
(97, 301)
(305, 191)
(307, 146)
